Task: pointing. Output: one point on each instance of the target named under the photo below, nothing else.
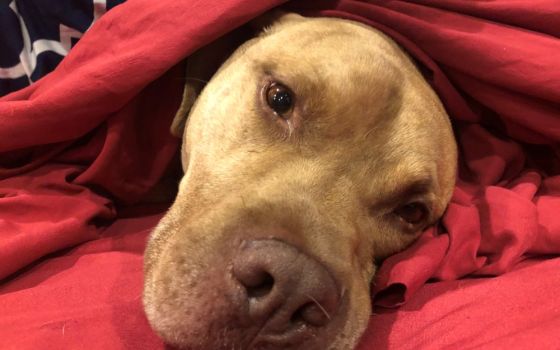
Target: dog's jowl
(316, 149)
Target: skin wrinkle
(367, 135)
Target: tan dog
(316, 149)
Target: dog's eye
(412, 213)
(279, 98)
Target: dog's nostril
(255, 278)
(260, 286)
(312, 313)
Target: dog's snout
(289, 294)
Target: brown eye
(279, 98)
(412, 213)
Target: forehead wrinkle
(402, 187)
(321, 38)
(303, 78)
(404, 171)
(315, 44)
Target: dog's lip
(305, 337)
(278, 341)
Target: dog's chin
(205, 320)
(205, 309)
(213, 327)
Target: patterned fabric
(35, 35)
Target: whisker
(197, 79)
(319, 305)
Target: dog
(315, 150)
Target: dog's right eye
(412, 213)
(279, 98)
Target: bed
(82, 145)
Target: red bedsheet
(91, 138)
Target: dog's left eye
(279, 98)
(412, 213)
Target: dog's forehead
(338, 40)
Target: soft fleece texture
(92, 137)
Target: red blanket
(91, 137)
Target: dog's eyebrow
(418, 186)
(412, 188)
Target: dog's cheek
(156, 241)
(391, 241)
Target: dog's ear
(198, 70)
(190, 92)
(200, 66)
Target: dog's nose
(289, 294)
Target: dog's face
(315, 150)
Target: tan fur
(368, 126)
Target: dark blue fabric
(11, 41)
(43, 20)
